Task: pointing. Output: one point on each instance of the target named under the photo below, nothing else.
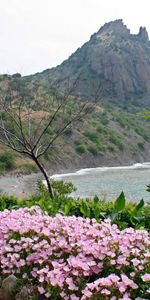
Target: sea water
(108, 182)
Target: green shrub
(8, 202)
(111, 148)
(2, 166)
(16, 75)
(104, 118)
(80, 149)
(142, 132)
(122, 120)
(102, 130)
(92, 136)
(7, 161)
(56, 205)
(116, 140)
(77, 142)
(29, 167)
(92, 150)
(100, 147)
(62, 188)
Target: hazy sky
(39, 34)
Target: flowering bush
(74, 258)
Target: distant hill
(113, 61)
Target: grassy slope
(110, 135)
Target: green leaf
(84, 209)
(61, 212)
(114, 215)
(67, 208)
(139, 219)
(119, 204)
(96, 199)
(138, 207)
(96, 212)
(103, 215)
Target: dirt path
(19, 185)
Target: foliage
(116, 139)
(100, 138)
(29, 167)
(92, 150)
(104, 118)
(8, 202)
(44, 201)
(92, 136)
(7, 161)
(126, 216)
(124, 121)
(74, 258)
(142, 131)
(16, 75)
(102, 130)
(78, 142)
(120, 212)
(62, 188)
(80, 148)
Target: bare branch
(20, 118)
(22, 131)
(9, 145)
(46, 127)
(62, 129)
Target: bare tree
(32, 128)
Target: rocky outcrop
(114, 61)
(143, 35)
(10, 289)
(115, 27)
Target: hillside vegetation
(108, 136)
(112, 69)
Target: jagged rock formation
(114, 61)
(143, 35)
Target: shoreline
(26, 185)
(83, 171)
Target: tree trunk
(43, 171)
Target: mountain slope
(113, 62)
(114, 68)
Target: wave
(80, 172)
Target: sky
(39, 34)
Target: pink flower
(63, 253)
(146, 277)
(41, 290)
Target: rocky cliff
(114, 62)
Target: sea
(108, 182)
(105, 182)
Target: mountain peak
(114, 62)
(118, 29)
(115, 27)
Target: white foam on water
(91, 170)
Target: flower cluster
(74, 258)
